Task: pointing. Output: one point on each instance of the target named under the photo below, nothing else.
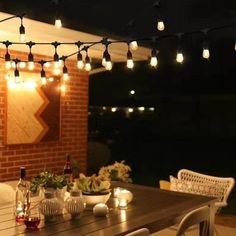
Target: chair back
(199, 216)
(139, 232)
(222, 185)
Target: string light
(22, 30)
(153, 60)
(205, 51)
(160, 25)
(65, 70)
(132, 45)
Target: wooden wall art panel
(33, 112)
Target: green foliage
(92, 184)
(47, 179)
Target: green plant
(48, 179)
(92, 184)
(118, 171)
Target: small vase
(50, 206)
(75, 204)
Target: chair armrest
(221, 204)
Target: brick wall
(50, 155)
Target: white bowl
(95, 199)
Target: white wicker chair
(219, 187)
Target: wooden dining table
(151, 207)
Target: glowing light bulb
(132, 92)
(160, 25)
(206, 53)
(58, 23)
(130, 64)
(65, 76)
(47, 64)
(88, 66)
(113, 109)
(153, 61)
(22, 64)
(179, 57)
(50, 79)
(80, 64)
(56, 64)
(133, 45)
(63, 88)
(108, 65)
(22, 33)
(30, 65)
(235, 45)
(8, 64)
(130, 110)
(104, 62)
(56, 71)
(43, 81)
(141, 108)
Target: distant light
(151, 109)
(113, 109)
(50, 79)
(132, 92)
(130, 110)
(141, 108)
(179, 57)
(104, 108)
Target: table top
(151, 207)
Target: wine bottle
(22, 196)
(68, 169)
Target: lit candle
(116, 191)
(100, 209)
(122, 203)
(126, 194)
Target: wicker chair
(219, 187)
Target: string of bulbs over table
(60, 61)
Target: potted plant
(94, 189)
(117, 171)
(49, 181)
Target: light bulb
(8, 64)
(65, 76)
(179, 57)
(160, 25)
(17, 79)
(206, 53)
(235, 45)
(130, 63)
(56, 64)
(58, 23)
(63, 88)
(88, 66)
(80, 64)
(153, 62)
(43, 81)
(47, 64)
(50, 79)
(30, 65)
(104, 61)
(22, 33)
(133, 45)
(22, 64)
(108, 65)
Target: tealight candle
(100, 209)
(126, 194)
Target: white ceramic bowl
(95, 199)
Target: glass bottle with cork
(22, 199)
(68, 171)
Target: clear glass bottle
(22, 203)
(68, 169)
